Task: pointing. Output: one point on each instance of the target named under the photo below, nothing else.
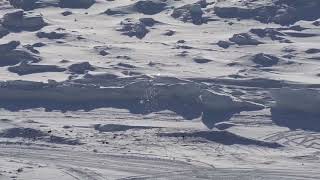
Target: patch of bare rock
(23, 21)
(284, 12)
(10, 55)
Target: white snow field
(159, 89)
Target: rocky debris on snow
(296, 108)
(24, 69)
(244, 39)
(189, 13)
(132, 28)
(221, 137)
(35, 134)
(283, 12)
(51, 35)
(117, 127)
(3, 31)
(265, 60)
(9, 55)
(148, 7)
(81, 68)
(23, 21)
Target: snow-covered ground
(172, 89)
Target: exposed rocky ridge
(283, 12)
(10, 55)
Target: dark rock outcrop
(224, 44)
(284, 12)
(23, 21)
(131, 28)
(189, 13)
(148, 21)
(150, 7)
(24, 69)
(244, 39)
(51, 35)
(265, 60)
(9, 55)
(81, 68)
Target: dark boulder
(81, 68)
(150, 7)
(9, 55)
(148, 21)
(265, 60)
(224, 44)
(244, 39)
(23, 21)
(51, 35)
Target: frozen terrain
(159, 89)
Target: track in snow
(87, 165)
